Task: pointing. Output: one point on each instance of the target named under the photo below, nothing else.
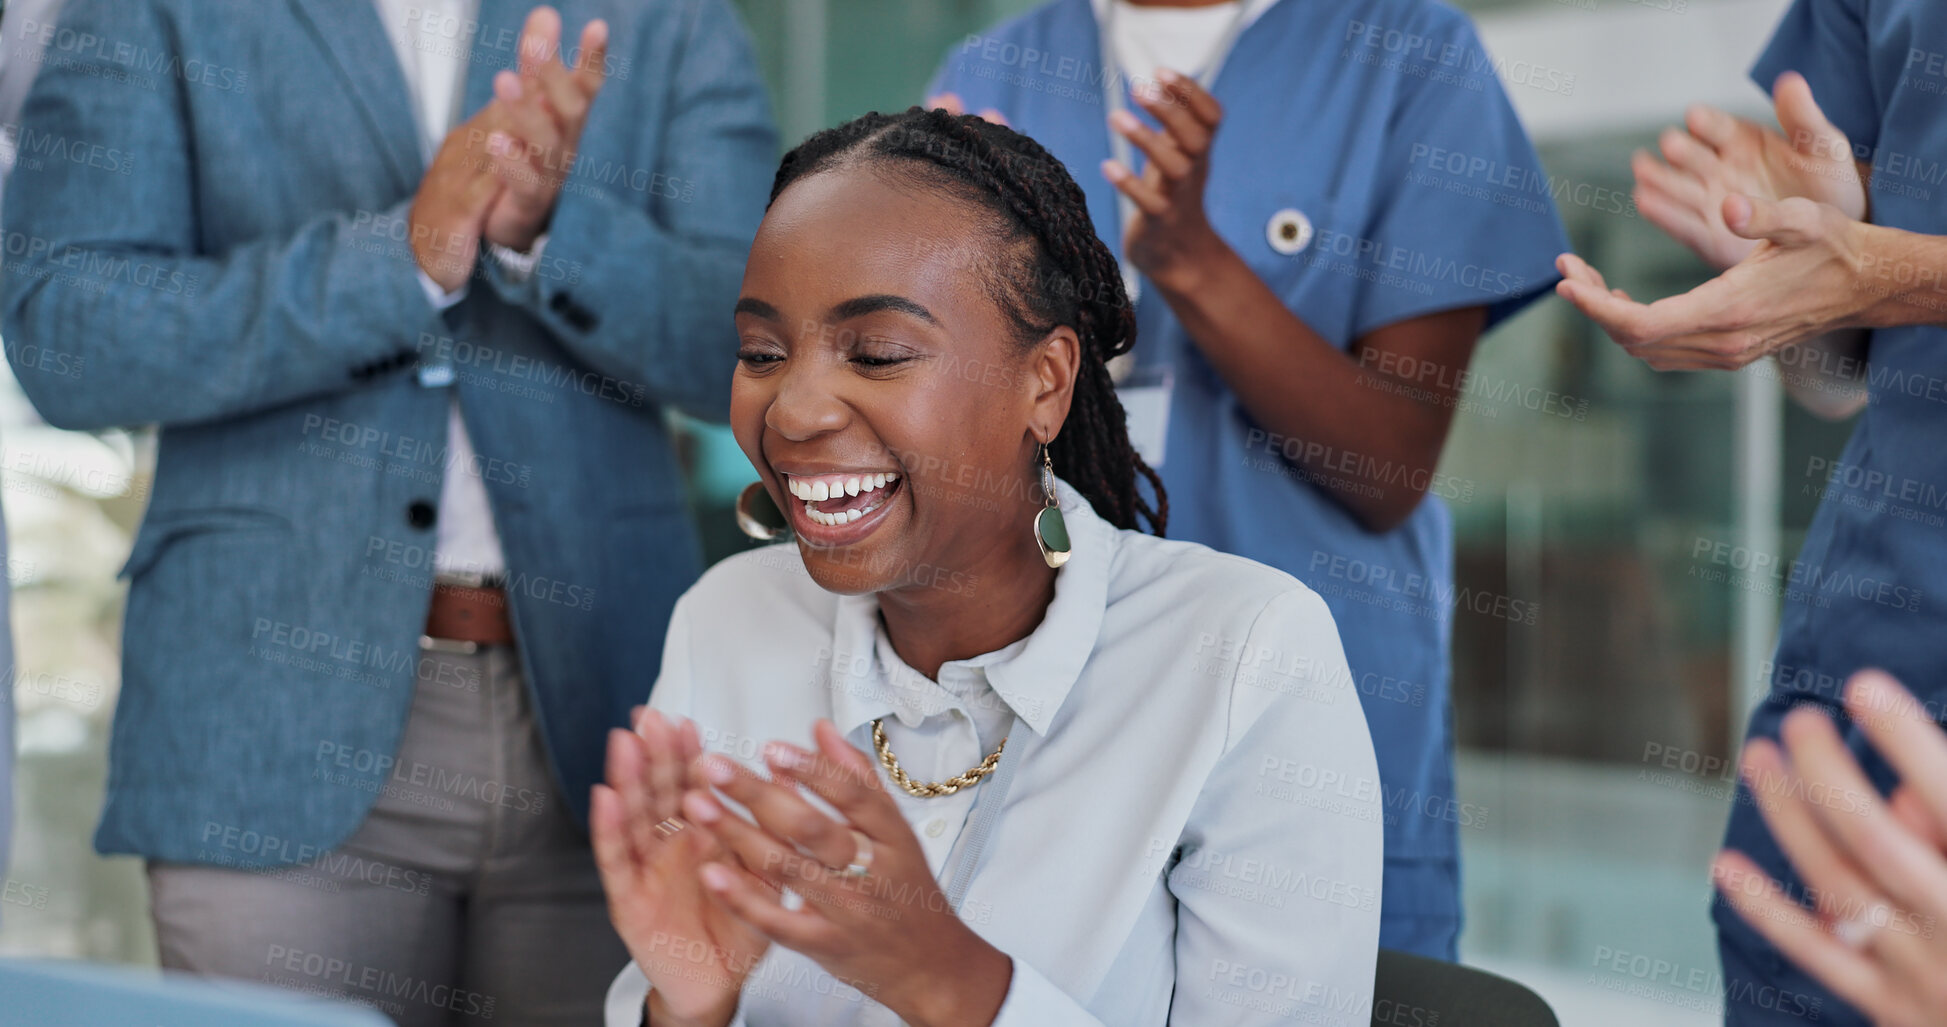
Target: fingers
(1686, 189)
(540, 39)
(762, 907)
(779, 810)
(567, 98)
(615, 857)
(994, 115)
(849, 780)
(1163, 152)
(1781, 797)
(1715, 128)
(1147, 196)
(1912, 812)
(1786, 925)
(1686, 153)
(591, 70)
(1902, 732)
(624, 770)
(754, 848)
(948, 102)
(664, 770)
(1172, 109)
(1852, 813)
(1804, 124)
(1197, 98)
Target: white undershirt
(1179, 38)
(434, 61)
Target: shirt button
(420, 514)
(935, 827)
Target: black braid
(1063, 276)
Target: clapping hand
(694, 951)
(1875, 870)
(546, 107)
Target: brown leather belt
(462, 613)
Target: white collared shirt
(432, 39)
(1192, 831)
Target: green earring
(1050, 530)
(758, 516)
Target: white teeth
(815, 491)
(832, 519)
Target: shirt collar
(1032, 678)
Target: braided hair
(1051, 270)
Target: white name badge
(1145, 396)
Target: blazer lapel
(350, 32)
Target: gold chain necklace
(930, 789)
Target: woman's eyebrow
(758, 308)
(863, 305)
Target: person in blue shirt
(1320, 208)
(1834, 238)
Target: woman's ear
(1052, 366)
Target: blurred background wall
(1636, 512)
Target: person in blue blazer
(408, 288)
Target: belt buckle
(450, 646)
(469, 579)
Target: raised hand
(1723, 156)
(1875, 874)
(1169, 232)
(449, 212)
(864, 929)
(1801, 281)
(694, 952)
(546, 106)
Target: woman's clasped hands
(707, 864)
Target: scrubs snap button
(1289, 231)
(935, 827)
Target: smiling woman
(1115, 779)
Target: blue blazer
(212, 237)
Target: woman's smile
(839, 508)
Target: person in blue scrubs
(1835, 233)
(1321, 207)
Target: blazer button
(421, 514)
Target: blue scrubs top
(1869, 588)
(1383, 122)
